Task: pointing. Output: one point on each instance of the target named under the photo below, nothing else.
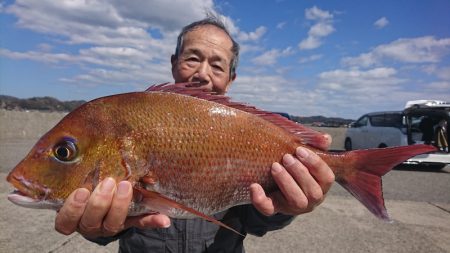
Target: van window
(394, 120)
(361, 122)
(377, 120)
(387, 120)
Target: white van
(414, 125)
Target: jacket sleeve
(258, 224)
(251, 221)
(106, 240)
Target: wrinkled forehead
(210, 36)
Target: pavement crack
(64, 243)
(440, 207)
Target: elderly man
(205, 53)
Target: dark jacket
(198, 235)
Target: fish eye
(65, 151)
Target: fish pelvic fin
(165, 201)
(364, 169)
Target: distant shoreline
(49, 104)
(32, 124)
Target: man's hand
(303, 182)
(104, 212)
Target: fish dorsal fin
(307, 135)
(165, 201)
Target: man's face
(205, 57)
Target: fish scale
(187, 153)
(182, 179)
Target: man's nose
(203, 73)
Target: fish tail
(360, 173)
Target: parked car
(377, 130)
(284, 114)
(413, 125)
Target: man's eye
(217, 67)
(192, 59)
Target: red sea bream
(187, 153)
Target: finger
(328, 139)
(115, 219)
(293, 194)
(316, 167)
(260, 201)
(323, 142)
(310, 187)
(97, 208)
(148, 221)
(68, 217)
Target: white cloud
(357, 91)
(119, 41)
(443, 86)
(275, 93)
(310, 58)
(309, 43)
(281, 25)
(381, 23)
(416, 50)
(158, 13)
(315, 13)
(241, 36)
(442, 73)
(38, 56)
(322, 28)
(358, 79)
(270, 57)
(252, 36)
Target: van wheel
(382, 145)
(348, 144)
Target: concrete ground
(340, 224)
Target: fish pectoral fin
(163, 200)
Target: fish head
(74, 154)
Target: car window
(377, 120)
(361, 122)
(393, 120)
(387, 120)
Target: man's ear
(173, 60)
(233, 77)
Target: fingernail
(166, 223)
(81, 196)
(107, 185)
(123, 188)
(302, 152)
(276, 168)
(288, 160)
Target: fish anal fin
(165, 201)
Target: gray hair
(214, 21)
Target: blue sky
(332, 58)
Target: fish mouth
(20, 199)
(30, 194)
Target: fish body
(187, 153)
